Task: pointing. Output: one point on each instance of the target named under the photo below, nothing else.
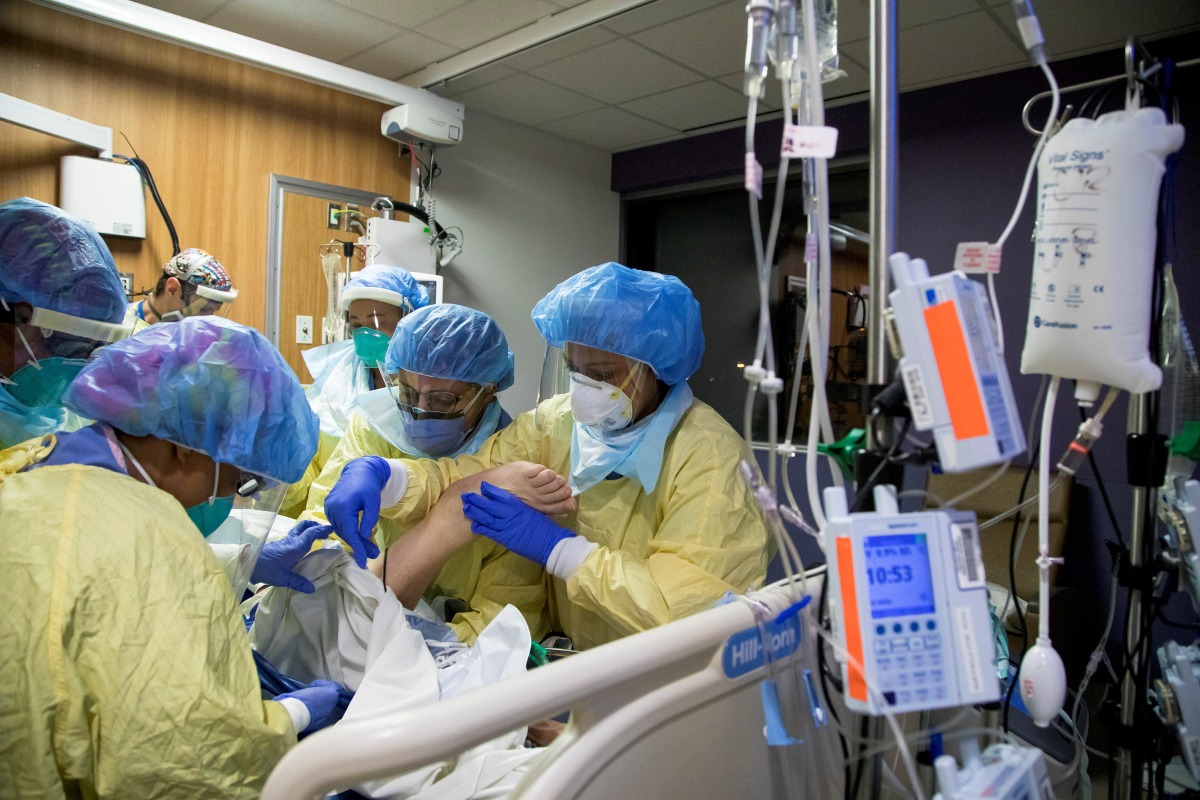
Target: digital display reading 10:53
(898, 575)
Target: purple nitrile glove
(321, 700)
(500, 516)
(277, 561)
(357, 492)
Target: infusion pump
(909, 605)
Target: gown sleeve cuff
(297, 711)
(568, 556)
(397, 485)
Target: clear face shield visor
(240, 538)
(605, 389)
(47, 350)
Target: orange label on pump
(959, 386)
(856, 685)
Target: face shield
(240, 538)
(372, 324)
(608, 392)
(48, 349)
(198, 303)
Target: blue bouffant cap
(452, 341)
(392, 285)
(642, 315)
(208, 384)
(49, 259)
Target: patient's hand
(539, 487)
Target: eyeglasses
(249, 484)
(436, 404)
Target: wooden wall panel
(212, 131)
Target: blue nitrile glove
(276, 562)
(321, 700)
(499, 515)
(357, 492)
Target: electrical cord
(1012, 580)
(869, 484)
(144, 171)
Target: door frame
(280, 185)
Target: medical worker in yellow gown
(445, 365)
(374, 301)
(665, 524)
(127, 669)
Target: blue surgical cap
(392, 285)
(52, 260)
(642, 315)
(451, 341)
(207, 384)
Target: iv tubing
(1012, 222)
(1044, 513)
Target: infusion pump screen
(898, 575)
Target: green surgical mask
(45, 386)
(209, 515)
(371, 346)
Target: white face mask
(600, 405)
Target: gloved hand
(498, 515)
(277, 559)
(357, 492)
(321, 700)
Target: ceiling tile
(660, 11)
(1069, 32)
(473, 80)
(319, 28)
(563, 46)
(694, 106)
(959, 47)
(483, 20)
(192, 9)
(926, 11)
(526, 99)
(712, 42)
(609, 129)
(405, 13)
(854, 20)
(616, 72)
(399, 56)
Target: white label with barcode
(967, 556)
(809, 141)
(918, 398)
(971, 674)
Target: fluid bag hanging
(1093, 267)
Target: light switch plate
(304, 330)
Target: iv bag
(826, 18)
(1093, 268)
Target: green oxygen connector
(537, 656)
(1186, 443)
(842, 451)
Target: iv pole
(883, 102)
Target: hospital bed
(652, 715)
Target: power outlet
(333, 217)
(304, 330)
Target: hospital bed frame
(652, 715)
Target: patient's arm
(413, 561)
